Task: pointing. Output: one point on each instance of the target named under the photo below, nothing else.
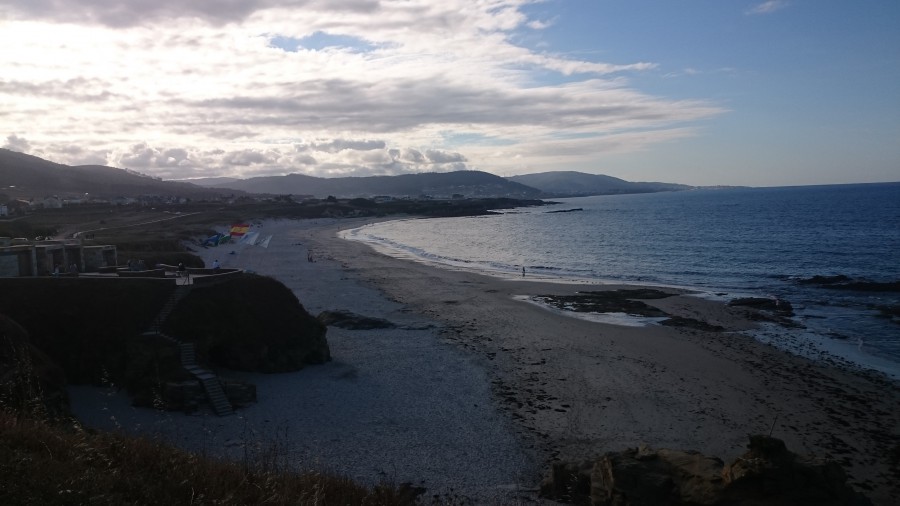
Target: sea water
(723, 243)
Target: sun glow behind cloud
(323, 88)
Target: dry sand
(477, 404)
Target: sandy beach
(476, 391)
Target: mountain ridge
(28, 176)
(576, 184)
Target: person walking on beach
(523, 271)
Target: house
(53, 202)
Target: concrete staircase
(180, 292)
(211, 384)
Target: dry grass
(46, 464)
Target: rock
(768, 474)
(239, 393)
(609, 301)
(184, 396)
(824, 280)
(150, 363)
(647, 477)
(569, 482)
(30, 382)
(352, 321)
(251, 323)
(779, 306)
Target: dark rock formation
(239, 393)
(348, 320)
(778, 306)
(824, 280)
(892, 312)
(609, 301)
(842, 282)
(680, 321)
(251, 323)
(768, 474)
(151, 363)
(30, 382)
(184, 396)
(84, 324)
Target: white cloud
(197, 89)
(767, 7)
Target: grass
(45, 464)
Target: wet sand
(478, 390)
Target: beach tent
(238, 230)
(212, 241)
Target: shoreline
(667, 387)
(545, 386)
(837, 325)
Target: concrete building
(21, 257)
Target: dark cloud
(16, 143)
(118, 13)
(439, 156)
(338, 145)
(247, 157)
(303, 160)
(415, 156)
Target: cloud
(246, 158)
(195, 89)
(16, 143)
(438, 156)
(767, 7)
(143, 156)
(338, 145)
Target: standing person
(523, 271)
(182, 272)
(216, 264)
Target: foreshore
(476, 391)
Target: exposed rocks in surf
(352, 321)
(778, 306)
(890, 312)
(767, 309)
(609, 301)
(628, 301)
(842, 282)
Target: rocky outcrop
(252, 323)
(768, 474)
(352, 321)
(30, 382)
(842, 282)
(777, 306)
(151, 362)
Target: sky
(700, 92)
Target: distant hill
(208, 182)
(468, 183)
(570, 184)
(26, 176)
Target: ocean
(832, 251)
